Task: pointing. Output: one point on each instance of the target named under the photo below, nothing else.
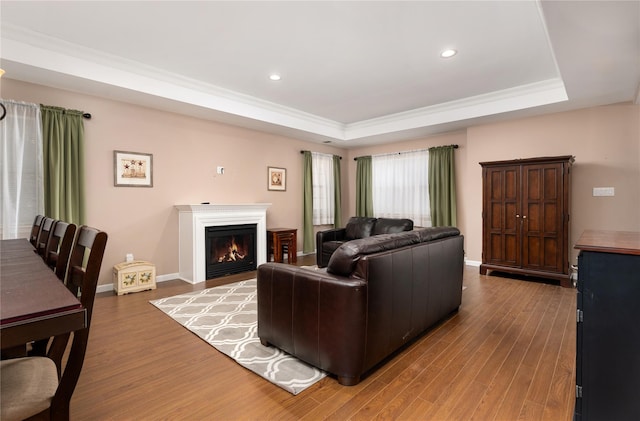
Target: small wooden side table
(277, 238)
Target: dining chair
(35, 230)
(56, 256)
(43, 236)
(39, 387)
(58, 249)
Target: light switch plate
(604, 191)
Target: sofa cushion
(359, 227)
(391, 226)
(344, 259)
(435, 233)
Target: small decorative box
(134, 276)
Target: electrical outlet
(220, 170)
(604, 191)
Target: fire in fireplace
(230, 249)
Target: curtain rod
(327, 154)
(398, 153)
(4, 113)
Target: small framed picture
(132, 169)
(277, 179)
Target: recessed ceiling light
(450, 52)
(274, 76)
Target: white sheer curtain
(21, 175)
(323, 185)
(400, 186)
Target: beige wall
(606, 144)
(604, 140)
(186, 152)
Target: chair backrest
(43, 236)
(82, 279)
(58, 249)
(35, 229)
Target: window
(323, 188)
(400, 186)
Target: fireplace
(230, 249)
(193, 219)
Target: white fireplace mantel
(193, 219)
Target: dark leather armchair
(358, 227)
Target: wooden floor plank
(535, 334)
(142, 365)
(458, 392)
(369, 389)
(561, 398)
(416, 411)
(548, 356)
(500, 371)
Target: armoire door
(542, 217)
(502, 228)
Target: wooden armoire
(525, 215)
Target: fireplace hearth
(230, 249)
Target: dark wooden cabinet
(526, 217)
(608, 334)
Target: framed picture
(132, 169)
(277, 179)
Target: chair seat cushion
(28, 385)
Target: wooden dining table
(34, 303)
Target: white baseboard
(104, 288)
(159, 278)
(167, 277)
(174, 276)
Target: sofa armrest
(323, 253)
(334, 234)
(318, 317)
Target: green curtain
(308, 243)
(442, 186)
(63, 161)
(364, 189)
(337, 193)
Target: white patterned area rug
(226, 317)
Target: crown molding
(60, 57)
(51, 54)
(513, 99)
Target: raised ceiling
(353, 73)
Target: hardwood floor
(508, 354)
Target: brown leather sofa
(376, 295)
(358, 227)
